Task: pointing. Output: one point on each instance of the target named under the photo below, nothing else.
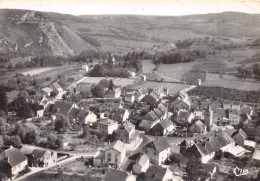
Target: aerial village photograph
(130, 90)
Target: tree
(104, 83)
(2, 126)
(192, 170)
(98, 91)
(3, 99)
(111, 85)
(16, 141)
(61, 123)
(1, 141)
(31, 137)
(10, 66)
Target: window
(109, 159)
(154, 153)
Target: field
(173, 87)
(117, 81)
(37, 70)
(234, 84)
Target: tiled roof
(73, 112)
(212, 143)
(200, 124)
(47, 89)
(56, 85)
(146, 125)
(14, 156)
(183, 114)
(155, 173)
(165, 123)
(115, 175)
(107, 122)
(117, 145)
(62, 107)
(119, 114)
(82, 114)
(38, 153)
(160, 144)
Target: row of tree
(180, 56)
(252, 71)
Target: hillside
(48, 33)
(35, 33)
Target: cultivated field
(117, 81)
(38, 70)
(234, 84)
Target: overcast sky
(143, 7)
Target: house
(205, 149)
(229, 106)
(141, 165)
(121, 115)
(107, 126)
(184, 117)
(115, 153)
(117, 175)
(132, 74)
(41, 158)
(158, 173)
(126, 133)
(14, 159)
(47, 91)
(219, 116)
(85, 68)
(130, 97)
(162, 128)
(239, 136)
(82, 88)
(151, 98)
(140, 93)
(157, 150)
(86, 117)
(115, 93)
(105, 109)
(56, 87)
(146, 125)
(198, 127)
(256, 155)
(157, 114)
(178, 104)
(64, 108)
(234, 117)
(253, 132)
(143, 77)
(99, 159)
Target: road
(73, 157)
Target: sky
(138, 7)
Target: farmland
(37, 70)
(234, 84)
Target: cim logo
(240, 171)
